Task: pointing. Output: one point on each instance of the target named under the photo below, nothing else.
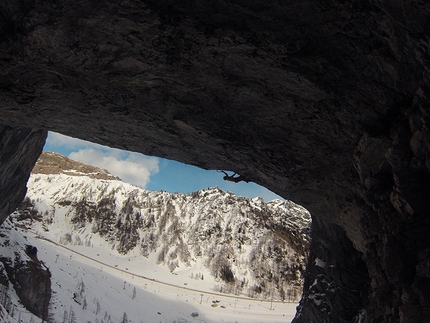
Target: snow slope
(109, 293)
(208, 238)
(87, 290)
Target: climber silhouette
(232, 178)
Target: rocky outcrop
(20, 266)
(323, 103)
(54, 163)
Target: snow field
(105, 293)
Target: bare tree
(124, 318)
(97, 306)
(72, 316)
(84, 304)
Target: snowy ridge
(55, 163)
(236, 245)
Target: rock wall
(32, 282)
(19, 150)
(20, 267)
(325, 103)
(396, 178)
(336, 286)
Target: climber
(232, 178)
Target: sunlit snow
(111, 291)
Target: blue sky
(150, 172)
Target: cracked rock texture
(325, 103)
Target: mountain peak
(55, 163)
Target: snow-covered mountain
(236, 245)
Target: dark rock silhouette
(323, 103)
(28, 275)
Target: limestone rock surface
(324, 103)
(19, 150)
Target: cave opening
(270, 237)
(149, 172)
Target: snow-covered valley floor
(97, 285)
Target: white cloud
(130, 167)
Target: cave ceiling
(325, 103)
